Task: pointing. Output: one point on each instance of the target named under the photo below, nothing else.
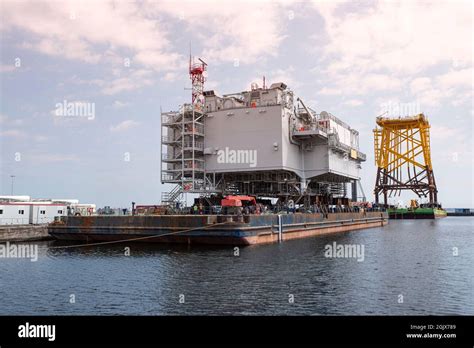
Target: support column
(354, 190)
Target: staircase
(170, 198)
(377, 138)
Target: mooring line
(134, 239)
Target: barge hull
(420, 213)
(211, 229)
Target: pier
(20, 233)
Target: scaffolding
(403, 158)
(182, 142)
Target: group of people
(197, 209)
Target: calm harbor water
(414, 259)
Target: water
(409, 258)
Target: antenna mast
(196, 73)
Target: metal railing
(169, 177)
(169, 118)
(170, 156)
(338, 145)
(189, 108)
(167, 139)
(312, 127)
(177, 139)
(197, 165)
(197, 145)
(172, 196)
(198, 128)
(268, 104)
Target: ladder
(170, 198)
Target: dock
(21, 233)
(460, 211)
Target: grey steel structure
(264, 142)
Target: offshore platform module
(264, 142)
(250, 148)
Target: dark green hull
(418, 213)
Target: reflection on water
(413, 259)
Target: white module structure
(263, 142)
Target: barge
(416, 213)
(211, 229)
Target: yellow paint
(401, 141)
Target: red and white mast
(196, 73)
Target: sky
(124, 61)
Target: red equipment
(236, 201)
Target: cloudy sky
(129, 59)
